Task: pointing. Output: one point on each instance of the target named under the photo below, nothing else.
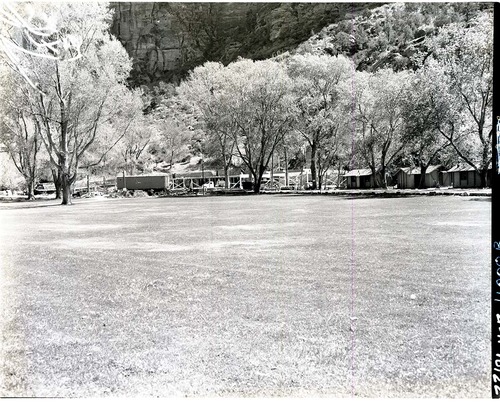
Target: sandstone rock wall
(165, 40)
(145, 29)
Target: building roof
(417, 170)
(459, 168)
(196, 174)
(139, 175)
(463, 167)
(358, 172)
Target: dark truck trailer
(145, 183)
(45, 188)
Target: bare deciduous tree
(32, 29)
(76, 97)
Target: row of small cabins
(405, 178)
(458, 176)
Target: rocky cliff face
(392, 36)
(146, 31)
(168, 39)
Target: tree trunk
(483, 174)
(374, 176)
(56, 177)
(226, 177)
(373, 168)
(383, 166)
(272, 171)
(30, 189)
(66, 190)
(256, 185)
(286, 169)
(257, 180)
(64, 163)
(314, 173)
(384, 179)
(423, 170)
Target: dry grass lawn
(269, 295)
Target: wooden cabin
(409, 177)
(360, 178)
(464, 176)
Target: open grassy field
(269, 295)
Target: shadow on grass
(24, 206)
(487, 199)
(357, 197)
(365, 195)
(22, 203)
(344, 196)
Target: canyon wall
(166, 40)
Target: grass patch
(270, 295)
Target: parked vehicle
(145, 183)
